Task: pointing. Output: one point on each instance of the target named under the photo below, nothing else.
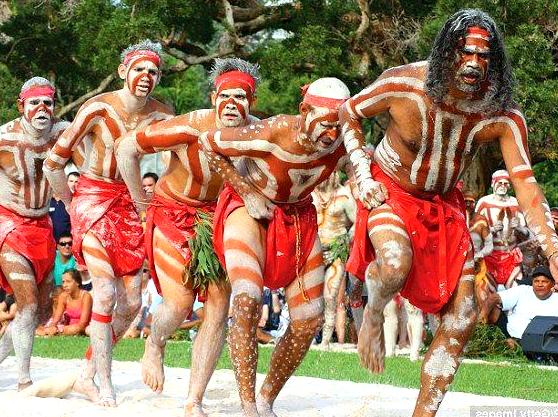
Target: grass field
(518, 379)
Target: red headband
(152, 56)
(330, 103)
(37, 91)
(478, 31)
(235, 78)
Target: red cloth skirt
(500, 264)
(107, 210)
(281, 236)
(176, 222)
(31, 237)
(439, 238)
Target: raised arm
(69, 141)
(167, 135)
(220, 145)
(513, 143)
(371, 101)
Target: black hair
(442, 58)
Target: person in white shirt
(522, 303)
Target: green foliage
(186, 91)
(489, 341)
(545, 172)
(204, 267)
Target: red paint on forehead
(143, 54)
(330, 103)
(476, 30)
(37, 91)
(236, 79)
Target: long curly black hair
(442, 58)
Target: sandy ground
(302, 396)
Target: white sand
(302, 396)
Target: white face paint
(38, 112)
(322, 127)
(142, 76)
(233, 106)
(502, 187)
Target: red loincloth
(439, 238)
(107, 210)
(500, 264)
(280, 258)
(31, 237)
(176, 221)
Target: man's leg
(101, 332)
(341, 313)
(244, 255)
(177, 303)
(21, 277)
(128, 303)
(305, 309)
(415, 327)
(207, 346)
(391, 327)
(385, 276)
(515, 276)
(441, 361)
(333, 276)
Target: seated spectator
(58, 211)
(148, 182)
(8, 309)
(155, 300)
(522, 303)
(64, 260)
(73, 311)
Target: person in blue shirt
(64, 258)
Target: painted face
(472, 60)
(38, 111)
(322, 126)
(233, 106)
(542, 286)
(142, 75)
(72, 181)
(501, 187)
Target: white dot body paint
(463, 318)
(393, 251)
(440, 364)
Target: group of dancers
(233, 212)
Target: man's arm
(64, 147)
(371, 101)
(167, 135)
(513, 144)
(220, 145)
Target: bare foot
(194, 410)
(249, 410)
(264, 407)
(87, 387)
(152, 371)
(22, 385)
(371, 346)
(107, 399)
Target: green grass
(520, 379)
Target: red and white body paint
(507, 226)
(26, 241)
(188, 185)
(109, 234)
(426, 148)
(284, 158)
